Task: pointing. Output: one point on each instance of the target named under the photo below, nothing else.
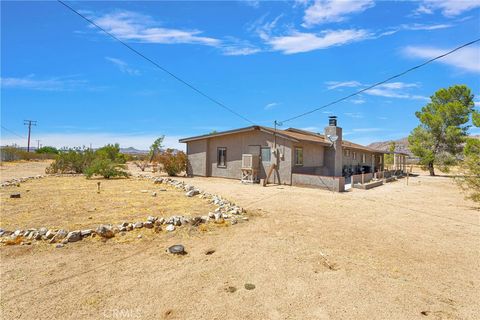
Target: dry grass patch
(73, 203)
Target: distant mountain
(401, 145)
(132, 150)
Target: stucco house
(291, 156)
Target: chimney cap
(332, 117)
(332, 121)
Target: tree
(47, 149)
(389, 156)
(443, 127)
(470, 182)
(156, 147)
(111, 152)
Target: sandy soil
(19, 169)
(74, 203)
(394, 252)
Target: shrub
(105, 168)
(173, 163)
(71, 161)
(47, 150)
(111, 152)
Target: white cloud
(466, 58)
(271, 105)
(357, 101)
(428, 27)
(298, 42)
(59, 140)
(342, 84)
(477, 103)
(67, 83)
(323, 11)
(395, 90)
(355, 115)
(128, 25)
(449, 8)
(388, 90)
(123, 66)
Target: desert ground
(394, 252)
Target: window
(354, 155)
(222, 157)
(346, 153)
(298, 156)
(364, 157)
(266, 154)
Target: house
(291, 156)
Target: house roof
(292, 134)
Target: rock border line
(225, 212)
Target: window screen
(266, 154)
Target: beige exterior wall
(236, 145)
(197, 158)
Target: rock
(148, 224)
(105, 232)
(154, 194)
(86, 232)
(38, 236)
(234, 221)
(18, 233)
(249, 286)
(177, 249)
(122, 229)
(74, 236)
(144, 191)
(138, 225)
(42, 231)
(211, 215)
(170, 227)
(15, 195)
(245, 218)
(152, 219)
(230, 289)
(158, 181)
(50, 234)
(192, 193)
(2, 232)
(139, 236)
(196, 221)
(124, 224)
(209, 252)
(61, 234)
(59, 245)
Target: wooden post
(363, 178)
(407, 177)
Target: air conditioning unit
(250, 161)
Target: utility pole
(38, 144)
(29, 123)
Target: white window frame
(219, 164)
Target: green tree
(470, 182)
(110, 152)
(443, 127)
(389, 156)
(47, 149)
(156, 147)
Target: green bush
(71, 161)
(47, 150)
(173, 164)
(111, 152)
(105, 168)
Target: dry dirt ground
(9, 170)
(394, 252)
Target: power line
(158, 66)
(12, 132)
(381, 82)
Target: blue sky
(266, 60)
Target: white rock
(138, 225)
(170, 227)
